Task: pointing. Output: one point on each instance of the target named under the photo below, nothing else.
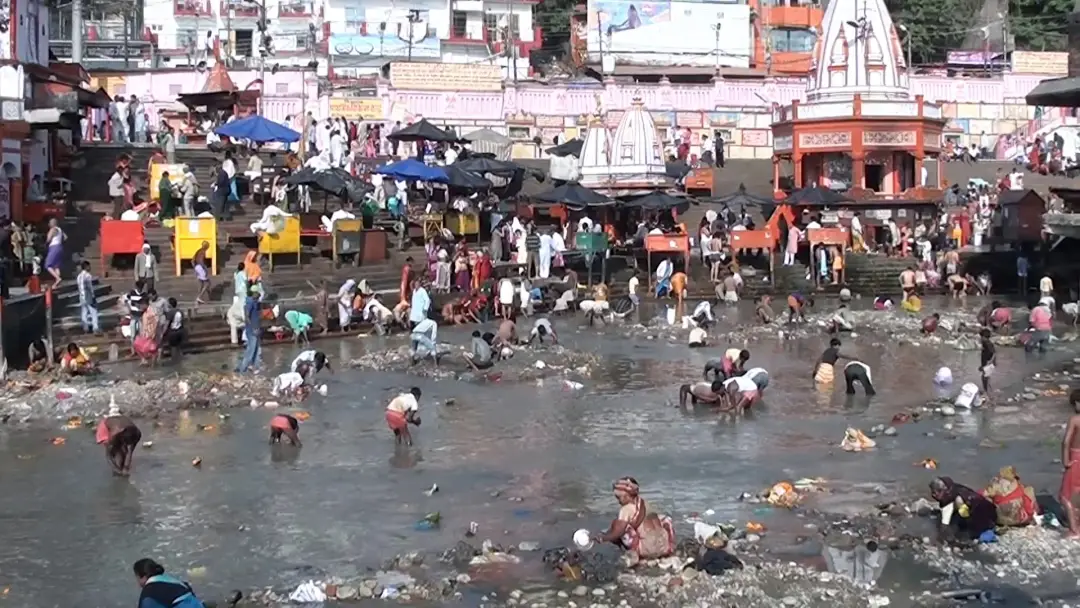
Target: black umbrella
(676, 169)
(568, 148)
(742, 198)
(816, 196)
(422, 130)
(484, 164)
(575, 196)
(660, 201)
(460, 178)
(337, 182)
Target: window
(792, 40)
(243, 43)
(494, 24)
(459, 24)
(518, 133)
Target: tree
(935, 26)
(1038, 25)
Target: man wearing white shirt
(741, 393)
(424, 341)
(402, 411)
(451, 155)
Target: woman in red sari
(644, 533)
(481, 270)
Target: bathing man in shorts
(741, 393)
(120, 437)
(701, 392)
(760, 377)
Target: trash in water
(323, 390)
(58, 441)
(430, 521)
(183, 387)
(389, 593)
(540, 365)
(197, 572)
(574, 386)
(783, 495)
(856, 441)
(583, 540)
(473, 529)
(927, 463)
(196, 462)
(148, 444)
(302, 415)
(307, 593)
(433, 489)
(74, 422)
(755, 527)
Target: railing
(294, 9)
(460, 36)
(192, 8)
(239, 9)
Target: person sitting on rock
(1015, 502)
(638, 528)
(764, 310)
(75, 361)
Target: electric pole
(510, 48)
(76, 31)
(414, 17)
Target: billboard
(389, 43)
(685, 33)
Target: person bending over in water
(996, 317)
(857, 371)
(316, 358)
(797, 305)
(825, 370)
(727, 366)
(507, 334)
(740, 393)
(841, 321)
(424, 342)
(284, 424)
(958, 285)
(293, 384)
(120, 437)
(542, 327)
(698, 338)
(703, 315)
(402, 411)
(764, 310)
(760, 377)
(930, 324)
(479, 356)
(160, 590)
(701, 392)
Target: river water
(526, 461)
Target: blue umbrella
(258, 129)
(410, 168)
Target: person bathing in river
(284, 424)
(958, 286)
(120, 437)
(857, 371)
(740, 393)
(965, 514)
(701, 392)
(727, 366)
(640, 530)
(841, 320)
(479, 356)
(797, 304)
(764, 310)
(760, 377)
(703, 315)
(160, 590)
(698, 338)
(293, 384)
(542, 327)
(825, 370)
(507, 334)
(424, 342)
(316, 358)
(996, 317)
(402, 411)
(930, 324)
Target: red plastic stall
(120, 237)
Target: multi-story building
(364, 35)
(786, 32)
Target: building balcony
(237, 8)
(461, 36)
(793, 16)
(192, 8)
(288, 9)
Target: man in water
(479, 356)
(1070, 460)
(741, 393)
(316, 358)
(542, 327)
(760, 377)
(841, 320)
(764, 310)
(120, 437)
(698, 338)
(376, 313)
(703, 315)
(797, 304)
(996, 317)
(727, 366)
(930, 324)
(907, 282)
(701, 392)
(284, 424)
(857, 371)
(987, 358)
(423, 341)
(1041, 322)
(402, 411)
(958, 286)
(293, 384)
(507, 333)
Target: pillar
(918, 170)
(858, 171)
(797, 159)
(776, 172)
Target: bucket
(583, 540)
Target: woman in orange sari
(251, 266)
(644, 533)
(1015, 502)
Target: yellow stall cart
(285, 239)
(189, 233)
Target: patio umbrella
(422, 130)
(816, 196)
(742, 198)
(410, 168)
(660, 201)
(575, 196)
(259, 130)
(337, 182)
(677, 169)
(567, 148)
(484, 164)
(460, 178)
(487, 141)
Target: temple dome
(630, 158)
(857, 54)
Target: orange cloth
(1070, 481)
(101, 434)
(281, 422)
(396, 421)
(251, 267)
(678, 284)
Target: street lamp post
(264, 48)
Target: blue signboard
(393, 42)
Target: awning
(1058, 93)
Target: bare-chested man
(907, 282)
(1070, 460)
(701, 392)
(958, 285)
(764, 310)
(120, 437)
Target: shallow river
(253, 516)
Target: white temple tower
(627, 160)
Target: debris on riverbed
(527, 365)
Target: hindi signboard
(445, 76)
